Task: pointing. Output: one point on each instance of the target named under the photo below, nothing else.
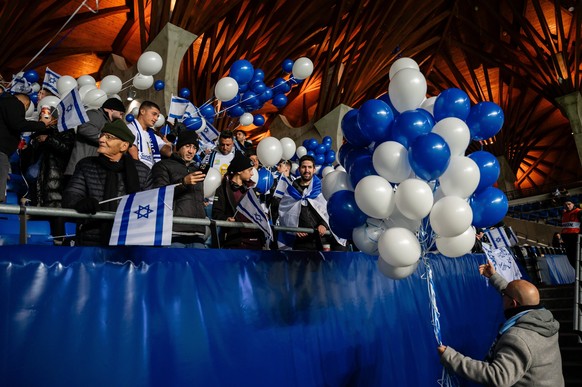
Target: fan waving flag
(144, 218)
(71, 111)
(50, 81)
(251, 208)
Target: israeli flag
(208, 134)
(20, 85)
(177, 108)
(71, 111)
(512, 237)
(498, 238)
(144, 218)
(50, 81)
(251, 208)
(191, 111)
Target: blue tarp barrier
(182, 317)
(560, 270)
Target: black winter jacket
(12, 123)
(89, 181)
(188, 199)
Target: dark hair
(286, 162)
(307, 158)
(240, 131)
(147, 105)
(226, 134)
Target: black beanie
(239, 163)
(187, 137)
(113, 104)
(119, 130)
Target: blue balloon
(266, 95)
(344, 214)
(210, 120)
(159, 85)
(489, 169)
(320, 149)
(452, 102)
(265, 180)
(243, 87)
(31, 76)
(259, 87)
(330, 156)
(352, 131)
(343, 152)
(258, 120)
(207, 111)
(281, 86)
(249, 99)
(258, 75)
(319, 159)
(375, 120)
(311, 153)
(232, 102)
(312, 144)
(361, 168)
(409, 125)
(287, 65)
(242, 71)
(327, 139)
(294, 81)
(235, 111)
(193, 123)
(33, 98)
(129, 117)
(305, 143)
(165, 130)
(485, 120)
(279, 100)
(355, 157)
(489, 207)
(386, 99)
(429, 156)
(184, 92)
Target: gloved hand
(87, 206)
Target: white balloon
(49, 100)
(289, 148)
(211, 182)
(340, 168)
(458, 245)
(301, 151)
(402, 63)
(161, 121)
(83, 90)
(85, 80)
(143, 82)
(455, 132)
(294, 167)
(111, 84)
(375, 197)
(461, 177)
(65, 84)
(390, 160)
(149, 63)
(246, 119)
(335, 181)
(31, 114)
(327, 170)
(255, 177)
(35, 87)
(366, 236)
(269, 151)
(399, 247)
(396, 273)
(428, 105)
(414, 198)
(135, 111)
(438, 194)
(226, 89)
(396, 219)
(407, 89)
(116, 96)
(302, 68)
(94, 98)
(451, 216)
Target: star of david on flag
(50, 81)
(71, 111)
(208, 134)
(177, 108)
(251, 208)
(144, 218)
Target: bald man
(525, 352)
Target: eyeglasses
(503, 293)
(108, 136)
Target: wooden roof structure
(520, 54)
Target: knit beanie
(113, 104)
(187, 137)
(119, 129)
(239, 163)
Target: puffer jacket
(188, 199)
(527, 354)
(87, 138)
(89, 181)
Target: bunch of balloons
(407, 181)
(244, 90)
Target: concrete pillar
(171, 43)
(507, 179)
(572, 108)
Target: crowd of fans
(106, 158)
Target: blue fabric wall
(180, 317)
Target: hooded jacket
(527, 354)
